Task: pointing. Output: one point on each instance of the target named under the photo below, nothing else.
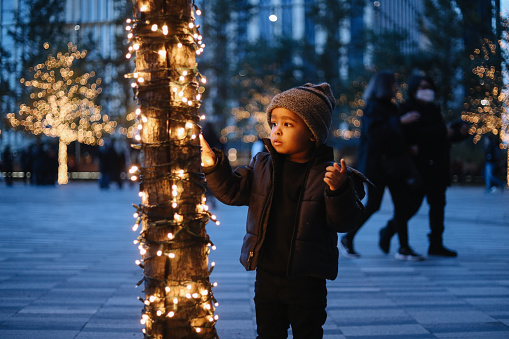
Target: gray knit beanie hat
(313, 103)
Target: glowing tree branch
(62, 105)
(173, 242)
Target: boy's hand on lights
(335, 175)
(208, 157)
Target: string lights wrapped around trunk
(173, 242)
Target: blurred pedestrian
(106, 163)
(8, 165)
(45, 165)
(383, 158)
(430, 139)
(119, 162)
(491, 159)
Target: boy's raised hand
(335, 175)
(208, 157)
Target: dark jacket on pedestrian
(429, 134)
(321, 213)
(381, 136)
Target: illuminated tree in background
(486, 106)
(248, 121)
(173, 242)
(62, 105)
(351, 103)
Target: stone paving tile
(38, 334)
(67, 271)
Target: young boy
(298, 200)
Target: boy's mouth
(276, 142)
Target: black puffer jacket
(321, 212)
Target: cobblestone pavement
(67, 270)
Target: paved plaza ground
(67, 270)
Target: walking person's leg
(406, 204)
(375, 195)
(437, 201)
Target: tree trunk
(62, 162)
(173, 241)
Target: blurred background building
(256, 48)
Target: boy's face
(290, 135)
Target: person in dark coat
(491, 159)
(430, 140)
(381, 141)
(298, 200)
(8, 165)
(106, 163)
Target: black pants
(435, 195)
(281, 302)
(405, 206)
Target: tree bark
(173, 240)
